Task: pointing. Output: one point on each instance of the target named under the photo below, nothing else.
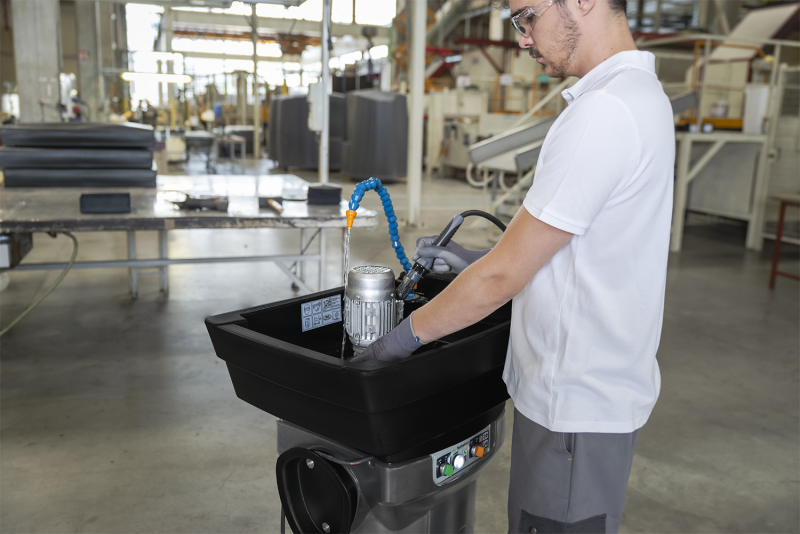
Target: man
(584, 260)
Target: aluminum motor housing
(370, 308)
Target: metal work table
(25, 210)
(687, 171)
(205, 142)
(232, 141)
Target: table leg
(163, 255)
(344, 252)
(777, 253)
(216, 155)
(301, 264)
(322, 258)
(132, 280)
(681, 191)
(755, 226)
(244, 158)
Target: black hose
(344, 462)
(488, 216)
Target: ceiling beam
(270, 24)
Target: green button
(448, 470)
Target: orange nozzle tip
(351, 215)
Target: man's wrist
(411, 325)
(415, 330)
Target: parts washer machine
(374, 446)
(414, 429)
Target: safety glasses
(524, 20)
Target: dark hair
(620, 7)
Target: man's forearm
(526, 246)
(473, 295)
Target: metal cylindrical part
(370, 310)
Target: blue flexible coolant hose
(355, 199)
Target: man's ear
(584, 7)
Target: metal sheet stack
(292, 144)
(377, 136)
(77, 154)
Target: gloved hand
(396, 345)
(452, 257)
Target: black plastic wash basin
(394, 411)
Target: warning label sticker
(321, 312)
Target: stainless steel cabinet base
(416, 496)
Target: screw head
(326, 527)
(310, 464)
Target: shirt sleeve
(586, 157)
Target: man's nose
(525, 41)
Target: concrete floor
(116, 415)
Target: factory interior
(176, 182)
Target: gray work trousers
(567, 482)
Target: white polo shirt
(585, 330)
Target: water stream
(344, 276)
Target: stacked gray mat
(77, 154)
(292, 144)
(377, 136)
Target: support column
(101, 64)
(416, 76)
(324, 135)
(37, 57)
(89, 77)
(241, 98)
(701, 13)
(657, 19)
(172, 88)
(495, 25)
(256, 95)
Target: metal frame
(133, 264)
(232, 141)
(686, 173)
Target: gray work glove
(399, 343)
(450, 258)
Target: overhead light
(155, 77)
(163, 56)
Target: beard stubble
(567, 44)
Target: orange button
(479, 451)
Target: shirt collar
(632, 58)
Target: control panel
(450, 461)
